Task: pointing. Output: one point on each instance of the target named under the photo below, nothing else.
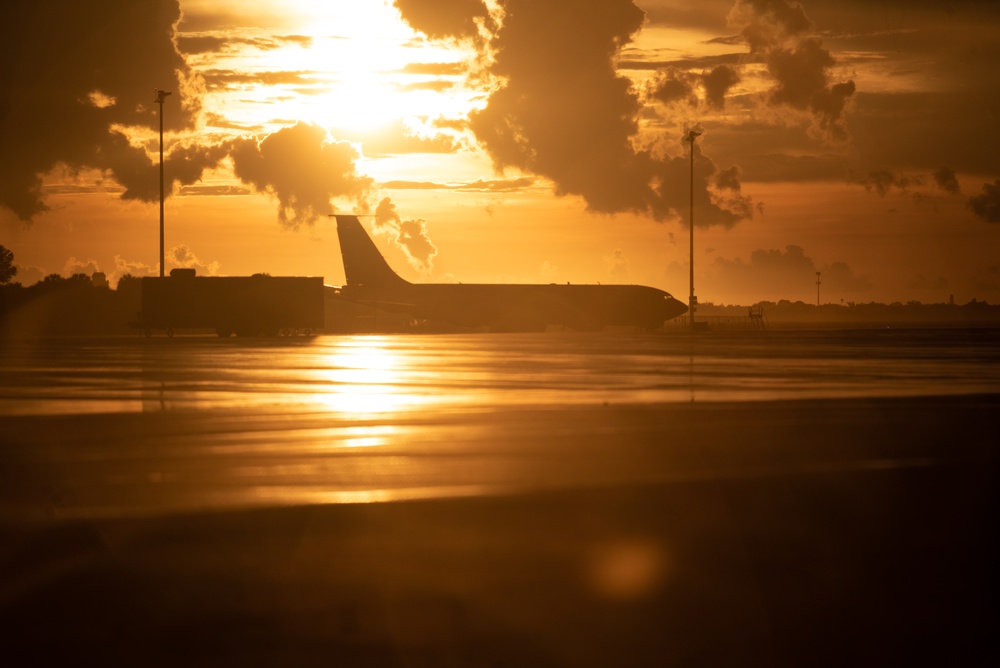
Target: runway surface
(777, 498)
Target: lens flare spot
(627, 569)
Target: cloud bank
(74, 74)
(986, 205)
(78, 87)
(560, 110)
(780, 34)
(947, 180)
(304, 169)
(772, 271)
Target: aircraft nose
(673, 308)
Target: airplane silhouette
(499, 307)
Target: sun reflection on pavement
(364, 377)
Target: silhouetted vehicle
(258, 305)
(501, 307)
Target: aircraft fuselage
(506, 306)
(525, 307)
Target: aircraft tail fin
(363, 264)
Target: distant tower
(817, 288)
(161, 95)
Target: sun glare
(354, 68)
(361, 71)
(364, 378)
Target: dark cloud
(563, 112)
(198, 44)
(726, 194)
(671, 191)
(769, 23)
(303, 169)
(717, 83)
(73, 71)
(673, 85)
(803, 84)
(79, 76)
(705, 15)
(779, 32)
(185, 162)
(947, 180)
(445, 18)
(409, 235)
(676, 84)
(882, 181)
(987, 204)
(728, 179)
(183, 165)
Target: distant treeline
(78, 305)
(84, 306)
(972, 314)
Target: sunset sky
(513, 140)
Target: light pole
(817, 288)
(161, 95)
(692, 301)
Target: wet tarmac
(776, 498)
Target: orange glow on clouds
(350, 75)
(528, 152)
